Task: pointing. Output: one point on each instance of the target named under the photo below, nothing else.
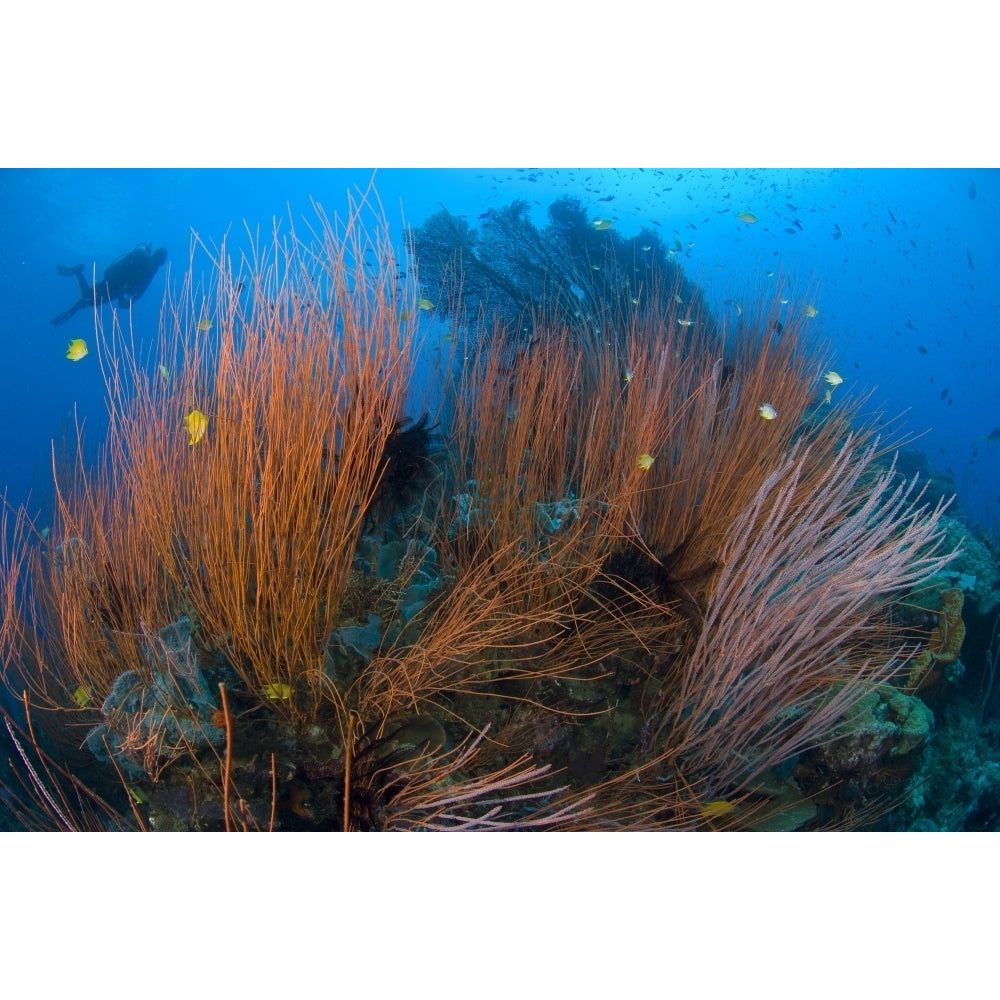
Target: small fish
(404, 316)
(77, 349)
(645, 462)
(994, 435)
(196, 423)
(685, 322)
(828, 396)
(425, 304)
(748, 217)
(812, 312)
(738, 306)
(277, 691)
(778, 326)
(833, 378)
(972, 191)
(45, 532)
(164, 372)
(717, 808)
(767, 411)
(837, 231)
(81, 696)
(601, 224)
(629, 375)
(783, 300)
(204, 325)
(645, 248)
(922, 349)
(968, 257)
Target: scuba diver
(124, 280)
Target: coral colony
(587, 587)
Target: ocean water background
(902, 265)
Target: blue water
(901, 264)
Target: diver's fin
(67, 271)
(63, 316)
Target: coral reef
(944, 645)
(975, 569)
(153, 718)
(595, 590)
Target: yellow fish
(767, 411)
(812, 312)
(425, 304)
(196, 423)
(204, 325)
(716, 808)
(277, 691)
(77, 349)
(748, 217)
(164, 372)
(629, 375)
(833, 378)
(602, 224)
(81, 696)
(645, 462)
(136, 794)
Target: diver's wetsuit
(124, 280)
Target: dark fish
(994, 435)
(972, 190)
(968, 257)
(944, 392)
(891, 216)
(922, 349)
(797, 224)
(778, 326)
(789, 229)
(794, 208)
(610, 197)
